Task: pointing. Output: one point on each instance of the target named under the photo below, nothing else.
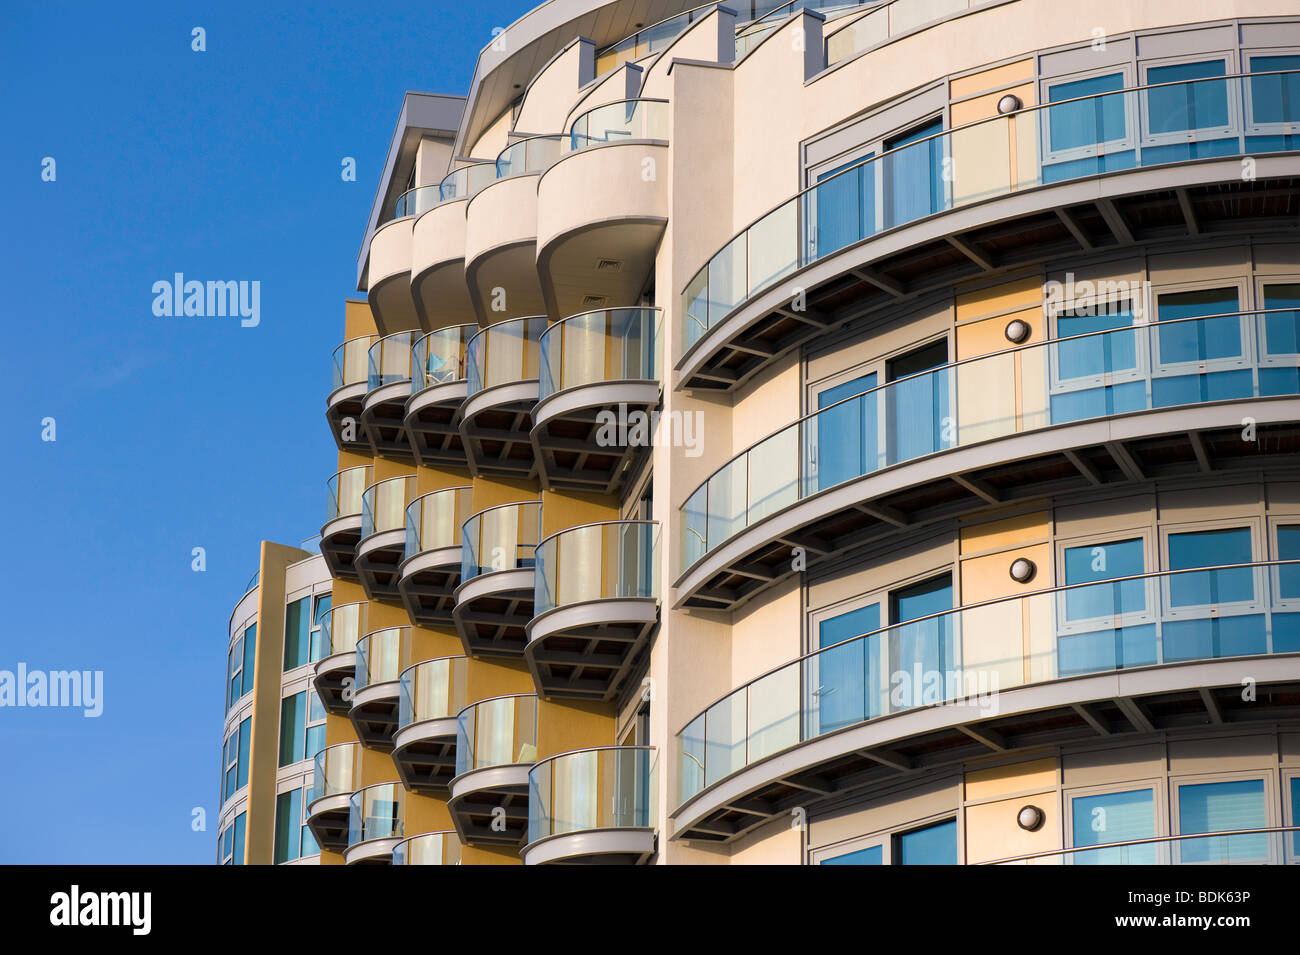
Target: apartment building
(819, 433)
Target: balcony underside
(428, 585)
(495, 428)
(383, 419)
(371, 852)
(378, 563)
(587, 651)
(1115, 706)
(327, 818)
(888, 270)
(896, 501)
(490, 806)
(343, 412)
(333, 681)
(492, 612)
(431, 425)
(575, 446)
(425, 754)
(593, 847)
(338, 545)
(374, 714)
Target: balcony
(596, 606)
(501, 245)
(383, 536)
(437, 392)
(432, 694)
(347, 396)
(388, 287)
(1128, 657)
(599, 387)
(338, 776)
(1082, 175)
(430, 573)
(501, 365)
(529, 155)
(1274, 846)
(430, 848)
(602, 207)
(388, 386)
(494, 601)
(438, 247)
(334, 673)
(1130, 404)
(594, 806)
(496, 746)
(342, 530)
(375, 823)
(381, 657)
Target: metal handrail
(1140, 842)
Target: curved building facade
(826, 433)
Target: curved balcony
(382, 656)
(432, 695)
(438, 266)
(430, 848)
(602, 207)
(430, 573)
(659, 36)
(599, 387)
(596, 605)
(494, 601)
(375, 824)
(348, 394)
(1133, 403)
(1279, 845)
(383, 536)
(529, 155)
(594, 806)
(388, 287)
(334, 674)
(465, 182)
(496, 746)
(342, 530)
(1085, 174)
(437, 392)
(1129, 656)
(501, 367)
(388, 386)
(337, 777)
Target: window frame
(1150, 558)
(1248, 124)
(1058, 385)
(1234, 127)
(1178, 369)
(1271, 805)
(1259, 604)
(1159, 809)
(1129, 142)
(1264, 358)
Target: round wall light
(1023, 570)
(1009, 104)
(1030, 818)
(1017, 331)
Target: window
(1088, 127)
(844, 683)
(1221, 807)
(872, 855)
(1202, 358)
(913, 174)
(322, 606)
(845, 206)
(297, 626)
(1280, 335)
(1189, 114)
(243, 655)
(231, 842)
(1293, 803)
(1106, 818)
(844, 443)
(235, 758)
(302, 727)
(1105, 626)
(1274, 103)
(932, 845)
(1286, 591)
(1099, 374)
(1213, 613)
(293, 838)
(917, 403)
(918, 652)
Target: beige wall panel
(888, 812)
(1008, 532)
(1102, 766)
(550, 95)
(1011, 780)
(995, 78)
(993, 833)
(778, 843)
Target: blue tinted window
(1099, 562)
(933, 845)
(1282, 329)
(238, 847)
(844, 675)
(245, 734)
(1207, 549)
(296, 634)
(845, 206)
(846, 434)
(872, 855)
(913, 174)
(1087, 122)
(1295, 814)
(921, 600)
(322, 607)
(1275, 99)
(1187, 105)
(288, 825)
(1220, 807)
(1114, 817)
(250, 656)
(293, 716)
(1288, 548)
(1096, 354)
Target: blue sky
(223, 165)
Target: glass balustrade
(340, 628)
(1134, 367)
(438, 358)
(612, 787)
(1272, 846)
(345, 491)
(1057, 142)
(431, 848)
(529, 155)
(497, 732)
(504, 353)
(376, 812)
(337, 770)
(500, 538)
(970, 655)
(434, 520)
(652, 39)
(597, 561)
(432, 690)
(382, 655)
(351, 361)
(609, 344)
(464, 182)
(419, 199)
(383, 505)
(389, 360)
(625, 120)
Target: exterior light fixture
(1017, 331)
(1009, 104)
(1030, 818)
(1023, 570)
